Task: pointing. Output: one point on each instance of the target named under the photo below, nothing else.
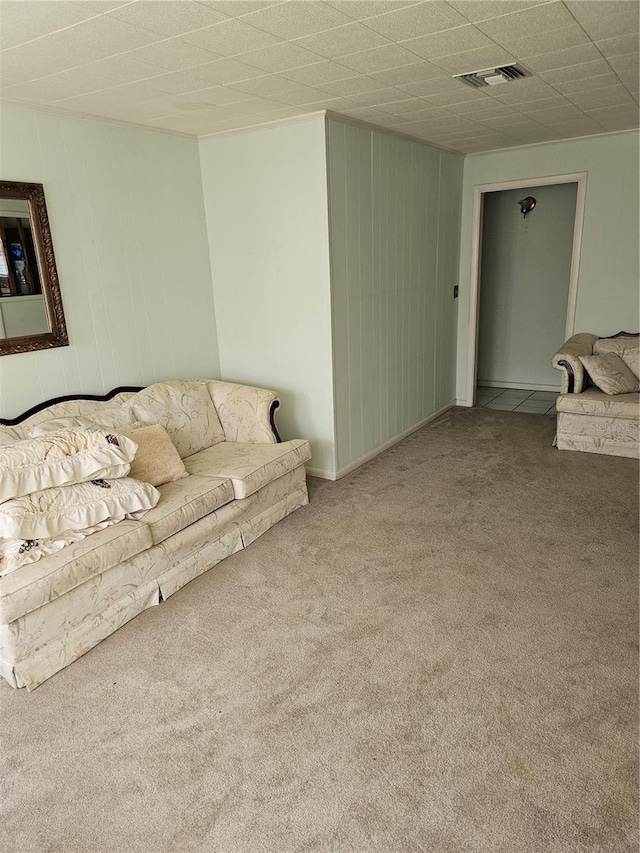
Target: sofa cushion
(185, 409)
(35, 584)
(185, 501)
(249, 466)
(609, 372)
(628, 348)
(593, 401)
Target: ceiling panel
(207, 66)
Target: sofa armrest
(246, 413)
(567, 359)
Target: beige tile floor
(516, 400)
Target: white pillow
(62, 458)
(53, 512)
(114, 420)
(18, 552)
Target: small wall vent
(493, 76)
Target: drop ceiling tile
(603, 20)
(537, 104)
(429, 113)
(48, 55)
(420, 19)
(415, 73)
(352, 86)
(166, 18)
(175, 83)
(586, 84)
(483, 107)
(23, 22)
(361, 9)
(294, 20)
(408, 107)
(538, 19)
(620, 45)
(521, 91)
(613, 96)
(553, 114)
(280, 57)
(627, 64)
(342, 41)
(220, 96)
(379, 59)
(224, 71)
(474, 60)
(172, 55)
(563, 58)
(376, 98)
(67, 84)
(230, 38)
(481, 10)
(121, 69)
(106, 36)
(531, 45)
(277, 88)
(578, 127)
(510, 122)
(329, 103)
(607, 114)
(129, 95)
(463, 95)
(434, 86)
(449, 42)
(318, 73)
(237, 8)
(576, 72)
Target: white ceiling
(214, 65)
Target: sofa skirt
(593, 434)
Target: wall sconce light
(526, 205)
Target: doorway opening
(523, 288)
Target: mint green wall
(608, 280)
(524, 284)
(266, 205)
(394, 210)
(127, 220)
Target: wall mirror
(31, 315)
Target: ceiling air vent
(493, 76)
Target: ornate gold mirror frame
(42, 249)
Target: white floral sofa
(588, 419)
(241, 481)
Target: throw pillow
(62, 458)
(628, 348)
(52, 512)
(156, 461)
(609, 372)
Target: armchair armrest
(567, 360)
(246, 413)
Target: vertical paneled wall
(127, 219)
(394, 218)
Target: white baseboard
(320, 472)
(342, 472)
(528, 386)
(462, 403)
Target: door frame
(579, 178)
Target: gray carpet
(438, 654)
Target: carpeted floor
(439, 654)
